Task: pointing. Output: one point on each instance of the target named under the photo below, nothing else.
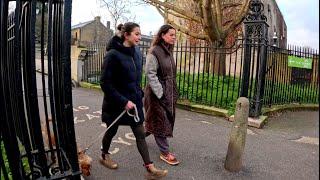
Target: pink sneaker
(169, 158)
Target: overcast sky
(302, 19)
(301, 16)
(147, 16)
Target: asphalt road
(287, 148)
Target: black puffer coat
(120, 82)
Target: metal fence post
(256, 35)
(8, 132)
(71, 146)
(246, 65)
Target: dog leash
(135, 116)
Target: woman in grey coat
(161, 91)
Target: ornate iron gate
(37, 129)
(268, 78)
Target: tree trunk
(218, 61)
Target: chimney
(108, 24)
(97, 18)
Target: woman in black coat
(120, 82)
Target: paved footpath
(287, 148)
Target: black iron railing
(197, 66)
(199, 82)
(37, 130)
(198, 76)
(287, 84)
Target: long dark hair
(127, 28)
(157, 40)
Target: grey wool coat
(161, 92)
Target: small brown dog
(45, 133)
(83, 159)
(84, 162)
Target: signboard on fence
(294, 61)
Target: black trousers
(139, 133)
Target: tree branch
(217, 4)
(118, 9)
(175, 14)
(210, 25)
(226, 6)
(184, 30)
(239, 17)
(170, 6)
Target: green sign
(294, 61)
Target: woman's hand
(129, 105)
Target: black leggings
(139, 134)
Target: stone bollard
(238, 134)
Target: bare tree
(119, 10)
(218, 19)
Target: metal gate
(37, 129)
